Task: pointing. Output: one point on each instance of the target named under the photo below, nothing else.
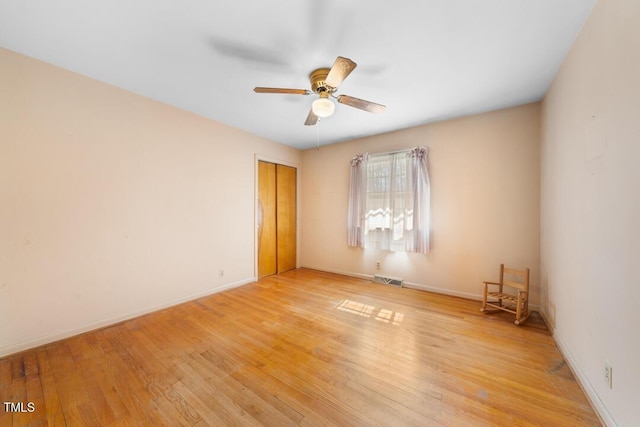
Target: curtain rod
(406, 150)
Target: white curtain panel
(357, 200)
(418, 238)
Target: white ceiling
(426, 60)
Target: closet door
(267, 243)
(286, 217)
(276, 218)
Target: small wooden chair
(516, 301)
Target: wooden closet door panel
(267, 243)
(286, 217)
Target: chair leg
(519, 309)
(484, 299)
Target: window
(386, 214)
(389, 201)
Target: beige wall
(112, 205)
(591, 208)
(484, 172)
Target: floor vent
(386, 280)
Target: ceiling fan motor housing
(318, 81)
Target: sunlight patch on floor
(367, 310)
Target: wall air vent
(386, 280)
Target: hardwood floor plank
(5, 390)
(304, 348)
(121, 373)
(205, 382)
(51, 408)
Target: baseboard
(594, 399)
(437, 290)
(340, 272)
(48, 339)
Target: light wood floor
(302, 348)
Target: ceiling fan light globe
(323, 107)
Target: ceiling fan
(324, 82)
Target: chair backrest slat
(523, 284)
(522, 273)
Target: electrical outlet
(608, 374)
(378, 265)
(221, 273)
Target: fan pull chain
(318, 135)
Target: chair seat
(503, 296)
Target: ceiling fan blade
(281, 90)
(312, 119)
(369, 106)
(341, 68)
